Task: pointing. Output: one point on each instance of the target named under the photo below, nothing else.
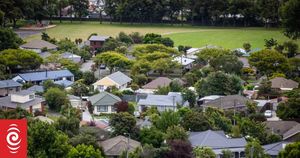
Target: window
(102, 108)
(31, 96)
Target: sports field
(194, 36)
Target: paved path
(87, 65)
(86, 116)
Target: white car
(268, 113)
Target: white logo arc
(12, 138)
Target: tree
(289, 14)
(195, 121)
(123, 37)
(289, 109)
(110, 45)
(227, 63)
(270, 43)
(219, 83)
(265, 88)
(17, 113)
(121, 106)
(179, 149)
(190, 96)
(167, 119)
(204, 152)
(84, 151)
(136, 37)
(164, 65)
(210, 53)
(18, 59)
(269, 61)
(254, 129)
(88, 77)
(290, 150)
(69, 125)
(227, 154)
(176, 133)
(254, 150)
(79, 88)
(56, 98)
(291, 48)
(113, 60)
(122, 123)
(80, 7)
(86, 139)
(247, 47)
(217, 119)
(151, 136)
(50, 84)
(44, 140)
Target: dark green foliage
(123, 37)
(55, 98)
(9, 39)
(50, 84)
(219, 83)
(195, 121)
(179, 148)
(289, 109)
(151, 38)
(227, 63)
(190, 96)
(151, 136)
(122, 123)
(290, 151)
(17, 113)
(204, 152)
(88, 77)
(255, 150)
(217, 119)
(167, 119)
(290, 19)
(69, 125)
(176, 133)
(84, 151)
(136, 37)
(45, 141)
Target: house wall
(109, 110)
(7, 91)
(96, 44)
(20, 98)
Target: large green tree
(9, 39)
(122, 123)
(290, 18)
(289, 109)
(219, 83)
(56, 98)
(290, 150)
(84, 151)
(151, 136)
(269, 61)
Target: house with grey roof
(289, 130)
(218, 141)
(104, 102)
(162, 102)
(38, 45)
(155, 84)
(70, 56)
(64, 83)
(9, 86)
(115, 146)
(75, 101)
(118, 80)
(96, 41)
(39, 77)
(229, 102)
(36, 88)
(25, 99)
(283, 84)
(274, 148)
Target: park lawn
(194, 36)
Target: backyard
(195, 36)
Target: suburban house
(229, 102)
(104, 102)
(24, 99)
(9, 86)
(117, 79)
(218, 141)
(289, 130)
(39, 77)
(284, 84)
(207, 99)
(75, 101)
(97, 42)
(186, 63)
(36, 89)
(38, 45)
(162, 102)
(115, 146)
(274, 148)
(73, 57)
(64, 83)
(155, 84)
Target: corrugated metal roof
(9, 83)
(104, 98)
(119, 78)
(98, 38)
(45, 75)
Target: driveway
(86, 116)
(274, 117)
(86, 66)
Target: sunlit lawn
(194, 36)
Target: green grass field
(194, 36)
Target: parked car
(102, 66)
(268, 113)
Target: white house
(117, 79)
(186, 63)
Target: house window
(31, 96)
(102, 108)
(101, 88)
